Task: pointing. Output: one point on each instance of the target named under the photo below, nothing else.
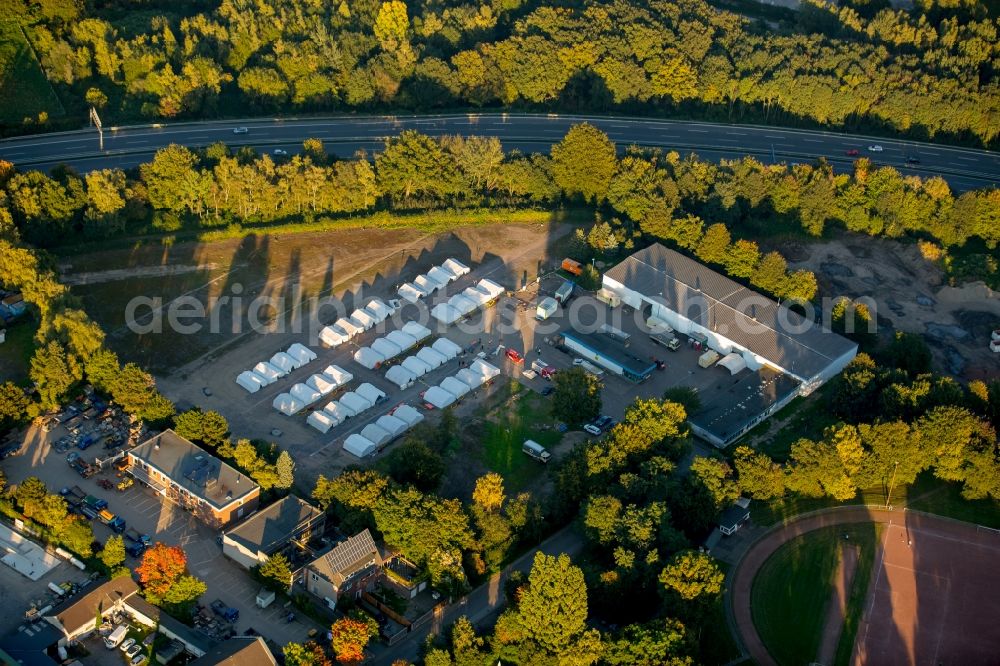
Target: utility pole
(96, 120)
(888, 495)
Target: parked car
(224, 611)
(604, 423)
(127, 645)
(515, 356)
(133, 650)
(240, 130)
(592, 429)
(875, 148)
(279, 152)
(853, 152)
(137, 659)
(912, 160)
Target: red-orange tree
(351, 635)
(161, 567)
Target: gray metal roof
(347, 557)
(268, 529)
(729, 309)
(238, 651)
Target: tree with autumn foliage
(165, 578)
(350, 636)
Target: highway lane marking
(966, 159)
(737, 133)
(813, 141)
(700, 131)
(768, 136)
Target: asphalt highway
(125, 147)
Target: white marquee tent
(428, 284)
(470, 378)
(283, 362)
(401, 340)
(322, 383)
(286, 404)
(454, 386)
(419, 332)
(369, 358)
(304, 394)
(485, 369)
(386, 349)
(446, 348)
(393, 425)
(455, 267)
(432, 358)
(375, 434)
(463, 304)
(337, 412)
(359, 446)
(378, 310)
(354, 402)
(250, 382)
(416, 366)
(267, 372)
(445, 314)
(400, 376)
(321, 421)
(301, 353)
(409, 414)
(332, 337)
(733, 362)
(411, 292)
(347, 326)
(338, 374)
(480, 298)
(490, 287)
(438, 397)
(370, 392)
(362, 319)
(441, 275)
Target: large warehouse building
(787, 354)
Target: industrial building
(786, 354)
(608, 353)
(283, 525)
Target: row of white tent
(309, 392)
(466, 302)
(462, 382)
(392, 345)
(359, 321)
(350, 404)
(382, 431)
(425, 360)
(433, 280)
(266, 373)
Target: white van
(115, 638)
(535, 450)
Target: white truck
(535, 450)
(546, 308)
(115, 638)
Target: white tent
(283, 362)
(369, 358)
(332, 337)
(455, 267)
(362, 319)
(386, 349)
(370, 392)
(480, 298)
(446, 348)
(433, 359)
(462, 303)
(321, 421)
(419, 332)
(354, 402)
(338, 374)
(375, 434)
(322, 383)
(411, 292)
(401, 340)
(400, 376)
(249, 381)
(408, 414)
(485, 369)
(438, 397)
(445, 314)
(286, 404)
(428, 284)
(304, 394)
(393, 425)
(302, 353)
(378, 310)
(338, 412)
(416, 366)
(454, 386)
(359, 446)
(472, 379)
(490, 287)
(267, 372)
(347, 326)
(441, 275)
(733, 362)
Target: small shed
(287, 404)
(432, 358)
(438, 397)
(455, 386)
(416, 366)
(250, 382)
(733, 518)
(446, 348)
(386, 348)
(359, 446)
(400, 376)
(369, 358)
(321, 421)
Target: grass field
(23, 87)
(506, 429)
(792, 590)
(15, 353)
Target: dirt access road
(929, 579)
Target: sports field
(23, 87)
(934, 596)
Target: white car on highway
(279, 151)
(240, 130)
(875, 148)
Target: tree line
(930, 70)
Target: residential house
(194, 479)
(348, 570)
(238, 651)
(78, 617)
(272, 530)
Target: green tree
(416, 463)
(716, 476)
(113, 554)
(757, 475)
(489, 494)
(584, 162)
(714, 245)
(96, 98)
(692, 575)
(210, 428)
(172, 179)
(577, 396)
(415, 164)
(276, 572)
(661, 642)
(909, 353)
(741, 258)
(310, 653)
(13, 404)
(392, 25)
(771, 274)
(51, 374)
(284, 467)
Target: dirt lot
(911, 296)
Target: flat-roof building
(194, 479)
(272, 530)
(791, 354)
(609, 354)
